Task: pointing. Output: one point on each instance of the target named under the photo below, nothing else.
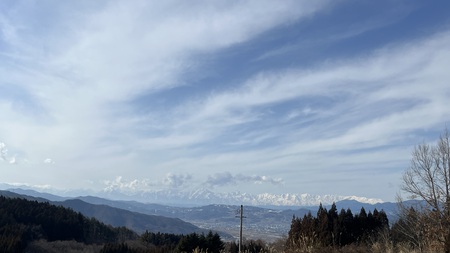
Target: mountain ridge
(200, 196)
(206, 197)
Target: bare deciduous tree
(428, 179)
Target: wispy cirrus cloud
(194, 90)
(81, 75)
(410, 79)
(370, 110)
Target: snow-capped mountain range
(205, 197)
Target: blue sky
(320, 97)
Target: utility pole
(241, 215)
(240, 231)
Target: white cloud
(3, 151)
(226, 178)
(297, 113)
(126, 186)
(49, 161)
(12, 160)
(136, 186)
(176, 180)
(4, 155)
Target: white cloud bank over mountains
(226, 178)
(183, 182)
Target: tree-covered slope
(136, 221)
(22, 221)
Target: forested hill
(115, 216)
(138, 222)
(23, 221)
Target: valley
(265, 223)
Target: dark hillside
(136, 221)
(22, 221)
(115, 213)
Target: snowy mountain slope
(206, 197)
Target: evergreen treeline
(22, 221)
(161, 239)
(248, 246)
(119, 248)
(184, 243)
(209, 243)
(329, 228)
